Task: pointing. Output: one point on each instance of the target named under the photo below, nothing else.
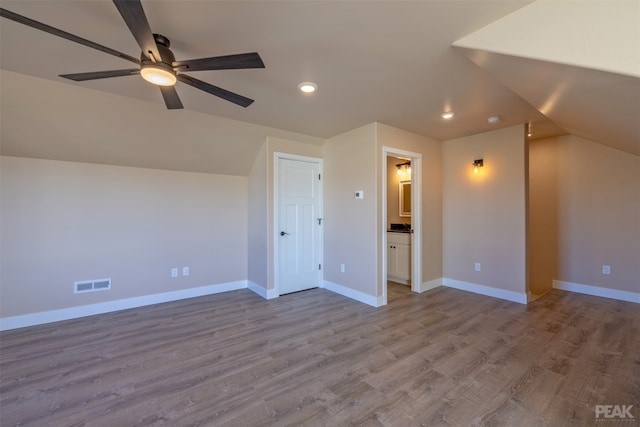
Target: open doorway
(401, 249)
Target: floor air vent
(91, 286)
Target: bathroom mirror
(405, 198)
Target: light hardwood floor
(315, 358)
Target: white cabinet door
(392, 258)
(403, 258)
(399, 257)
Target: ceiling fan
(157, 63)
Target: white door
(299, 222)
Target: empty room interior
(327, 213)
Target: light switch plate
(359, 194)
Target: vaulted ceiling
(556, 65)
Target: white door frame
(275, 226)
(416, 217)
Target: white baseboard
(486, 290)
(431, 284)
(123, 304)
(264, 293)
(398, 280)
(597, 291)
(532, 297)
(374, 301)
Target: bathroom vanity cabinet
(399, 257)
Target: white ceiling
(386, 61)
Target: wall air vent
(91, 286)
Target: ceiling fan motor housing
(166, 56)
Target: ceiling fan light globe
(158, 76)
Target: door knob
(282, 233)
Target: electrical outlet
(174, 272)
(606, 269)
(341, 268)
(478, 267)
(185, 271)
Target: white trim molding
(416, 217)
(431, 284)
(532, 297)
(597, 291)
(33, 319)
(264, 293)
(486, 290)
(374, 301)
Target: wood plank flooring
(315, 358)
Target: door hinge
(319, 266)
(319, 176)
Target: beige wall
(485, 214)
(431, 151)
(63, 222)
(596, 213)
(258, 221)
(543, 215)
(351, 225)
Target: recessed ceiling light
(494, 119)
(308, 87)
(447, 115)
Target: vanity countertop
(399, 228)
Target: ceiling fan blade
(215, 90)
(171, 98)
(95, 75)
(133, 15)
(56, 32)
(228, 62)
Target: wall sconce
(477, 164)
(407, 168)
